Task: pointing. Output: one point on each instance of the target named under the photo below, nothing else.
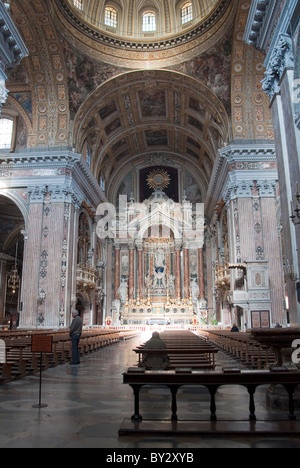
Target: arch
(12, 257)
(17, 200)
(143, 113)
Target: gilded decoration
(39, 86)
(251, 115)
(151, 112)
(137, 54)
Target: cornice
(12, 49)
(45, 169)
(36, 158)
(226, 181)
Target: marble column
(201, 273)
(3, 271)
(140, 270)
(117, 271)
(178, 271)
(186, 271)
(131, 272)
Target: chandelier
(13, 277)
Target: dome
(143, 20)
(144, 33)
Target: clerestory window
(111, 17)
(78, 4)
(149, 22)
(187, 13)
(6, 133)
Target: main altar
(159, 262)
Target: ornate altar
(159, 267)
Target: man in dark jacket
(156, 361)
(75, 335)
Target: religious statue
(123, 291)
(160, 278)
(160, 261)
(148, 282)
(171, 285)
(195, 290)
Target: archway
(11, 262)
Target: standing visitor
(75, 335)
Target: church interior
(149, 179)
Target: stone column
(3, 271)
(49, 266)
(131, 272)
(178, 271)
(201, 273)
(186, 272)
(117, 270)
(140, 270)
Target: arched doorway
(11, 262)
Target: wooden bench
(137, 379)
(242, 347)
(185, 349)
(21, 361)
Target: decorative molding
(12, 48)
(237, 167)
(256, 20)
(65, 172)
(281, 59)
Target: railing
(86, 277)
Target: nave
(87, 404)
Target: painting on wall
(153, 104)
(113, 126)
(157, 138)
(108, 110)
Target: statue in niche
(195, 290)
(148, 282)
(171, 285)
(160, 270)
(160, 261)
(123, 291)
(160, 278)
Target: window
(6, 131)
(187, 13)
(149, 22)
(78, 4)
(111, 17)
(102, 183)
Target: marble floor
(87, 404)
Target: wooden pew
(185, 349)
(21, 361)
(137, 379)
(242, 347)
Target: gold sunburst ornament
(158, 179)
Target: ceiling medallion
(158, 179)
